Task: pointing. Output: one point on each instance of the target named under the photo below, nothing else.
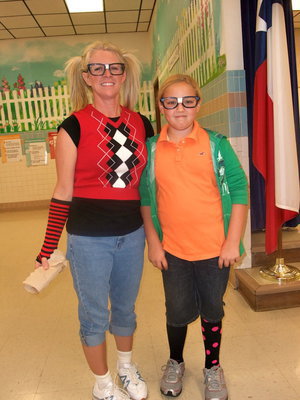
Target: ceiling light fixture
(296, 4)
(76, 6)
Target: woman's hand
(44, 264)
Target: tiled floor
(41, 357)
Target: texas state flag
(274, 136)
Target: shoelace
(213, 379)
(122, 395)
(171, 370)
(119, 394)
(115, 393)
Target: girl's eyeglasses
(172, 102)
(98, 69)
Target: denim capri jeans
(194, 288)
(106, 268)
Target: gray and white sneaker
(215, 386)
(171, 381)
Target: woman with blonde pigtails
(100, 156)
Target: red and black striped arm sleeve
(58, 214)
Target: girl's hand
(230, 252)
(156, 255)
(229, 255)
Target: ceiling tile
(13, 8)
(27, 33)
(122, 16)
(53, 19)
(143, 27)
(121, 28)
(46, 7)
(26, 21)
(40, 18)
(59, 30)
(296, 16)
(145, 15)
(5, 35)
(89, 29)
(87, 18)
(148, 4)
(112, 5)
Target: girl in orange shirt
(194, 206)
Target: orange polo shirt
(189, 202)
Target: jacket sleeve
(235, 175)
(143, 188)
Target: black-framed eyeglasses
(172, 102)
(98, 69)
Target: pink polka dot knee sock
(212, 333)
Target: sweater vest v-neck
(110, 156)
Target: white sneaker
(132, 381)
(110, 392)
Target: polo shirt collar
(163, 137)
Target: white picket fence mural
(146, 101)
(44, 108)
(193, 49)
(33, 109)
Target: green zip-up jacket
(230, 176)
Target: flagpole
(280, 271)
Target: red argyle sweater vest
(110, 156)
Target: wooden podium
(263, 294)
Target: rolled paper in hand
(40, 277)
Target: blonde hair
(80, 92)
(178, 78)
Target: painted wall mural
(192, 44)
(33, 91)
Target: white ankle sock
(103, 380)
(124, 357)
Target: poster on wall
(11, 148)
(36, 152)
(52, 136)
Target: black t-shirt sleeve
(148, 127)
(72, 127)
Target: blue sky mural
(37, 60)
(40, 59)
